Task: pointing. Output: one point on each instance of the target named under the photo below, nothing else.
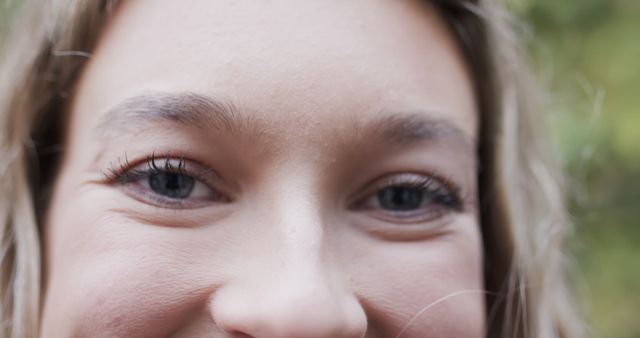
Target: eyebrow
(186, 108)
(407, 128)
(200, 111)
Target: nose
(288, 307)
(290, 290)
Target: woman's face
(268, 169)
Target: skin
(309, 109)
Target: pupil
(400, 198)
(171, 185)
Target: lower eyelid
(426, 207)
(405, 231)
(142, 194)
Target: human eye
(169, 182)
(410, 198)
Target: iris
(172, 185)
(400, 198)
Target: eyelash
(127, 174)
(445, 192)
(444, 195)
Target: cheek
(425, 289)
(113, 299)
(113, 277)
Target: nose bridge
(295, 216)
(298, 216)
(294, 289)
(292, 216)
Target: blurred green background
(588, 53)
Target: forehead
(296, 63)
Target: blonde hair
(523, 217)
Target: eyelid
(410, 179)
(125, 171)
(446, 201)
(127, 174)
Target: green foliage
(588, 53)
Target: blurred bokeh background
(587, 52)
